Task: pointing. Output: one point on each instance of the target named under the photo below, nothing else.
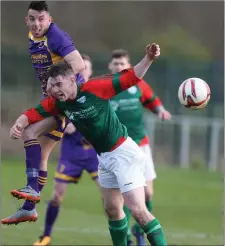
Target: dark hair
(38, 5)
(86, 57)
(118, 53)
(60, 68)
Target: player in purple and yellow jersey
(128, 106)
(121, 161)
(48, 44)
(76, 155)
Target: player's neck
(74, 92)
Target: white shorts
(149, 172)
(123, 167)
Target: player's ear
(50, 19)
(26, 20)
(109, 66)
(73, 79)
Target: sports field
(187, 203)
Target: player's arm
(45, 109)
(107, 86)
(152, 102)
(62, 45)
(75, 60)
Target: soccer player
(128, 106)
(76, 155)
(48, 44)
(121, 161)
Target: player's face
(87, 72)
(62, 87)
(38, 22)
(119, 64)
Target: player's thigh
(39, 128)
(122, 168)
(47, 145)
(150, 173)
(113, 203)
(57, 133)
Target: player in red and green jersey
(129, 106)
(48, 44)
(121, 161)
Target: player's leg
(117, 221)
(65, 174)
(113, 201)
(129, 172)
(33, 159)
(150, 175)
(128, 215)
(47, 144)
(52, 212)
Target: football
(194, 93)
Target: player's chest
(39, 53)
(129, 99)
(85, 106)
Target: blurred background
(191, 37)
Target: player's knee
(113, 211)
(139, 212)
(57, 198)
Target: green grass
(187, 203)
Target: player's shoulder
(55, 32)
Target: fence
(187, 141)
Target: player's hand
(16, 131)
(153, 51)
(164, 115)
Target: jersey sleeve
(60, 42)
(45, 109)
(148, 97)
(107, 86)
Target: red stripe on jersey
(107, 86)
(119, 142)
(100, 86)
(33, 116)
(144, 141)
(148, 98)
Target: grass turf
(188, 204)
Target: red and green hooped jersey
(128, 106)
(91, 111)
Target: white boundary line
(105, 232)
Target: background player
(48, 44)
(129, 109)
(76, 155)
(121, 161)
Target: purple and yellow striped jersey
(48, 50)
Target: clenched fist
(153, 51)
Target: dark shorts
(69, 170)
(57, 134)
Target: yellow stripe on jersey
(55, 58)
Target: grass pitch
(188, 204)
